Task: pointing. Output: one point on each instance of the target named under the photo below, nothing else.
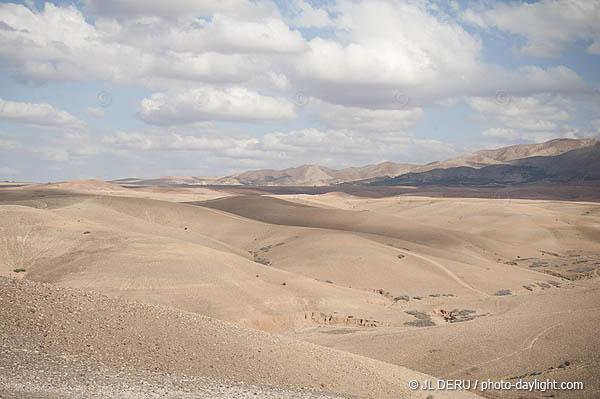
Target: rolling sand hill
(57, 341)
(486, 288)
(94, 186)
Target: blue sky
(108, 89)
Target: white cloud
(501, 133)
(305, 15)
(382, 47)
(367, 120)
(6, 171)
(548, 25)
(385, 47)
(94, 111)
(38, 115)
(56, 154)
(58, 43)
(541, 114)
(594, 48)
(7, 143)
(377, 48)
(332, 147)
(130, 140)
(207, 103)
(174, 8)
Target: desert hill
(92, 335)
(577, 165)
(507, 165)
(504, 155)
(305, 175)
(308, 175)
(93, 185)
(369, 276)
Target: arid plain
(158, 291)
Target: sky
(110, 89)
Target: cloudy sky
(123, 88)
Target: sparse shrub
(19, 270)
(420, 323)
(423, 319)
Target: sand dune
(87, 330)
(362, 275)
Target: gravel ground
(32, 374)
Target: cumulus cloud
(384, 47)
(549, 26)
(58, 43)
(7, 143)
(174, 8)
(56, 154)
(6, 171)
(203, 104)
(332, 147)
(41, 115)
(304, 14)
(381, 47)
(501, 133)
(367, 72)
(375, 49)
(94, 111)
(526, 113)
(367, 120)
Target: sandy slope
(352, 270)
(532, 334)
(88, 332)
(98, 187)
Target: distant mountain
(313, 175)
(579, 165)
(305, 175)
(504, 155)
(560, 160)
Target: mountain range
(558, 161)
